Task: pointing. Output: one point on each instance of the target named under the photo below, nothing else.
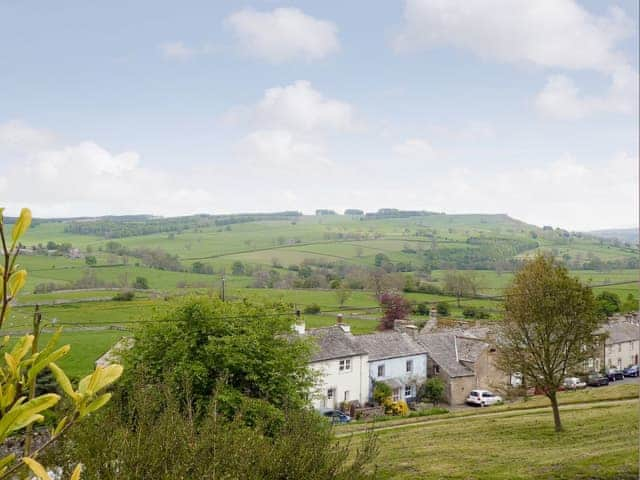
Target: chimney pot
(339, 319)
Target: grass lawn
(598, 443)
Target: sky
(458, 106)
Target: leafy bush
(381, 392)
(442, 308)
(312, 309)
(141, 283)
(124, 296)
(432, 390)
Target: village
(464, 359)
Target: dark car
(632, 371)
(597, 380)
(614, 374)
(336, 416)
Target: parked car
(632, 371)
(336, 416)
(483, 398)
(573, 383)
(597, 380)
(614, 374)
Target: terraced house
(396, 359)
(622, 342)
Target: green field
(600, 442)
(328, 242)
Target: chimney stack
(339, 322)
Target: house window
(345, 365)
(436, 369)
(619, 347)
(409, 366)
(408, 391)
(619, 363)
(346, 395)
(396, 394)
(590, 363)
(381, 370)
(331, 393)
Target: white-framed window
(409, 366)
(346, 395)
(331, 393)
(396, 394)
(590, 363)
(619, 363)
(345, 365)
(408, 391)
(381, 370)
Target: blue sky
(496, 106)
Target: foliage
(162, 440)
(381, 392)
(21, 403)
(342, 294)
(608, 303)
(432, 390)
(630, 304)
(442, 308)
(91, 260)
(550, 325)
(124, 296)
(312, 309)
(141, 283)
(474, 312)
(460, 284)
(397, 408)
(394, 307)
(242, 346)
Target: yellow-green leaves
(21, 226)
(84, 398)
(99, 379)
(24, 413)
(16, 282)
(36, 468)
(63, 381)
(76, 472)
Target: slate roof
(333, 342)
(441, 349)
(621, 331)
(392, 344)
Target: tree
(380, 259)
(141, 283)
(343, 294)
(459, 284)
(608, 303)
(442, 308)
(433, 390)
(549, 325)
(394, 307)
(237, 268)
(630, 304)
(242, 347)
(90, 260)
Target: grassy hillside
(599, 442)
(291, 257)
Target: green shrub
(312, 309)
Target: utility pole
(223, 288)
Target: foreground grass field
(600, 442)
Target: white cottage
(342, 364)
(396, 359)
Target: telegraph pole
(223, 288)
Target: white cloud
(177, 51)
(548, 33)
(283, 34)
(552, 34)
(289, 125)
(415, 149)
(300, 107)
(87, 179)
(17, 136)
(282, 149)
(561, 99)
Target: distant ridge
(623, 234)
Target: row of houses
(464, 358)
(350, 365)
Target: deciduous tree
(549, 327)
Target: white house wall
(623, 354)
(396, 368)
(355, 381)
